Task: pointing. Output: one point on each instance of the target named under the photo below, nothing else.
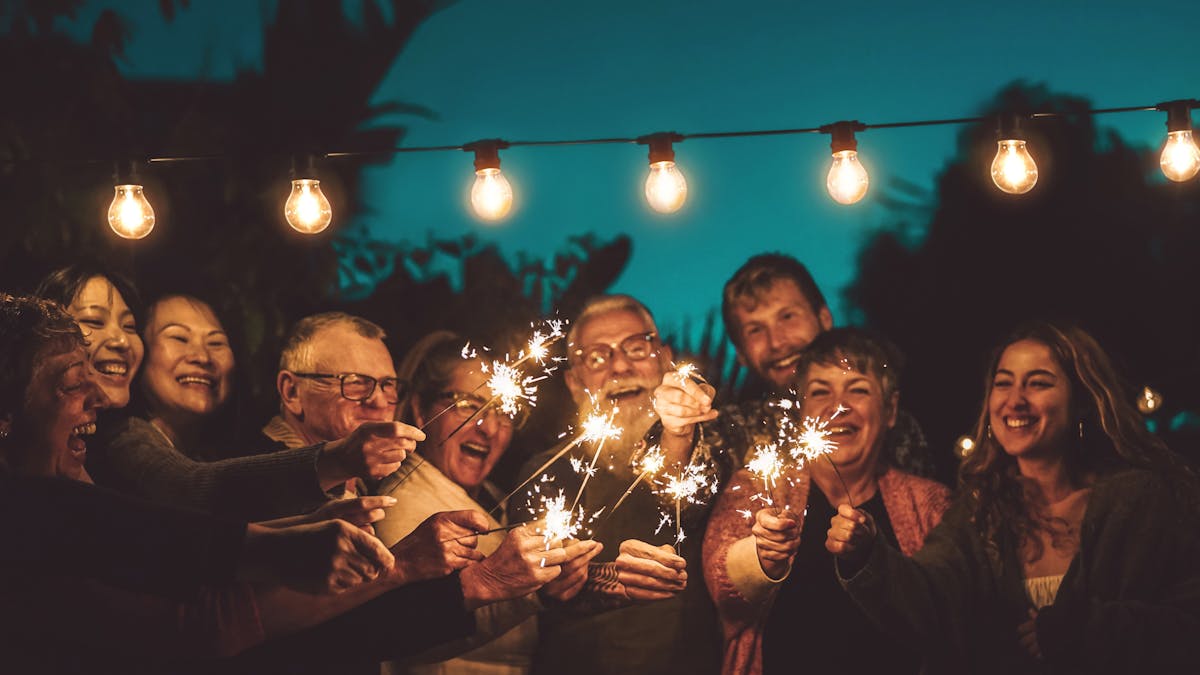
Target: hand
(326, 557)
(1027, 636)
(573, 575)
(641, 572)
(776, 538)
(444, 542)
(519, 567)
(373, 450)
(851, 533)
(359, 511)
(681, 403)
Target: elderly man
(615, 360)
(772, 309)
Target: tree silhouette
(1101, 240)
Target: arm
(137, 460)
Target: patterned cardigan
(741, 590)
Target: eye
(1001, 383)
(818, 392)
(178, 338)
(92, 323)
(1041, 384)
(861, 389)
(129, 327)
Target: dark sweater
(136, 458)
(1130, 601)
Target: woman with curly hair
(1073, 544)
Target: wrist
(330, 472)
(476, 587)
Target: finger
(778, 547)
(373, 502)
(552, 558)
(581, 549)
(648, 568)
(391, 430)
(635, 580)
(643, 595)
(372, 549)
(466, 553)
(664, 555)
(773, 522)
(469, 519)
(698, 419)
(850, 513)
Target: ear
(414, 411)
(893, 410)
(288, 386)
(826, 318)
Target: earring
(1081, 429)
(3, 434)
(989, 430)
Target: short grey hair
(297, 354)
(605, 304)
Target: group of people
(360, 531)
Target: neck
(1048, 475)
(859, 478)
(301, 429)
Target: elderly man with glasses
(644, 607)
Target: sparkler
(811, 442)
(652, 462)
(600, 429)
(767, 465)
(596, 427)
(685, 486)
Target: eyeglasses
(358, 388)
(466, 406)
(598, 356)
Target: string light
(1149, 402)
(963, 446)
(491, 194)
(847, 181)
(307, 210)
(130, 214)
(666, 188)
(1180, 158)
(1013, 169)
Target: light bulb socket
(661, 145)
(125, 172)
(1009, 127)
(1179, 114)
(842, 135)
(487, 153)
(304, 167)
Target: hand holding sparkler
(444, 542)
(574, 574)
(520, 566)
(776, 538)
(373, 450)
(851, 535)
(682, 401)
(646, 572)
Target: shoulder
(920, 488)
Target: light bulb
(491, 195)
(1013, 169)
(848, 180)
(1180, 159)
(130, 214)
(307, 210)
(963, 446)
(666, 188)
(1150, 401)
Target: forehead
(832, 373)
(186, 312)
(611, 327)
(55, 362)
(467, 376)
(779, 294)
(340, 349)
(1026, 355)
(98, 292)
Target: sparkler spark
(767, 464)
(685, 486)
(558, 522)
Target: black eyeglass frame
(374, 383)
(578, 353)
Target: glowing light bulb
(307, 210)
(847, 181)
(1150, 401)
(491, 195)
(130, 214)
(666, 188)
(1013, 169)
(1180, 159)
(963, 446)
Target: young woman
(1073, 546)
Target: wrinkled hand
(326, 557)
(444, 542)
(641, 572)
(776, 538)
(851, 533)
(519, 567)
(1027, 636)
(573, 575)
(373, 450)
(359, 511)
(681, 403)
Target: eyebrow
(1039, 371)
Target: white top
(1042, 590)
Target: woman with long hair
(1073, 544)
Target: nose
(94, 398)
(489, 422)
(1015, 399)
(115, 339)
(376, 399)
(776, 339)
(198, 353)
(620, 363)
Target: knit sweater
(741, 590)
(1130, 601)
(137, 459)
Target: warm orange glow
(666, 188)
(1180, 159)
(848, 180)
(491, 195)
(307, 210)
(130, 214)
(1013, 169)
